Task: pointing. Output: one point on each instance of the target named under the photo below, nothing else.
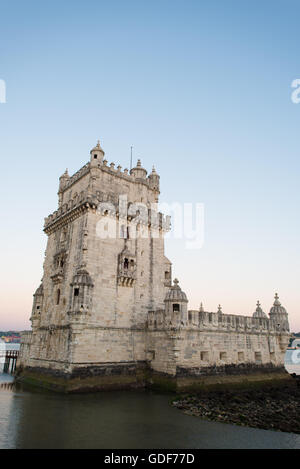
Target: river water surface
(127, 420)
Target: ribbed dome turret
(139, 172)
(65, 175)
(154, 180)
(63, 180)
(97, 148)
(97, 155)
(82, 277)
(277, 308)
(258, 313)
(175, 293)
(279, 315)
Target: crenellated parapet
(206, 321)
(160, 320)
(229, 322)
(92, 185)
(85, 201)
(69, 211)
(97, 162)
(76, 176)
(175, 314)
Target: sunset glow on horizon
(202, 91)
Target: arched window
(125, 263)
(176, 307)
(58, 296)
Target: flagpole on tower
(131, 157)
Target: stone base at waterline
(105, 377)
(213, 378)
(138, 375)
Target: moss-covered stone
(140, 376)
(275, 406)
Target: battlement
(76, 205)
(76, 176)
(231, 322)
(108, 169)
(210, 321)
(97, 182)
(86, 200)
(137, 175)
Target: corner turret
(38, 299)
(279, 315)
(97, 154)
(138, 172)
(63, 180)
(176, 305)
(154, 181)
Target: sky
(202, 90)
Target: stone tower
(106, 315)
(104, 270)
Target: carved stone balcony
(126, 277)
(58, 275)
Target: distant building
(13, 339)
(106, 314)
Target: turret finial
(258, 313)
(97, 148)
(219, 309)
(277, 302)
(176, 282)
(65, 174)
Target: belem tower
(107, 314)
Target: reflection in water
(7, 386)
(34, 419)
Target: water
(128, 420)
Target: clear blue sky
(202, 89)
